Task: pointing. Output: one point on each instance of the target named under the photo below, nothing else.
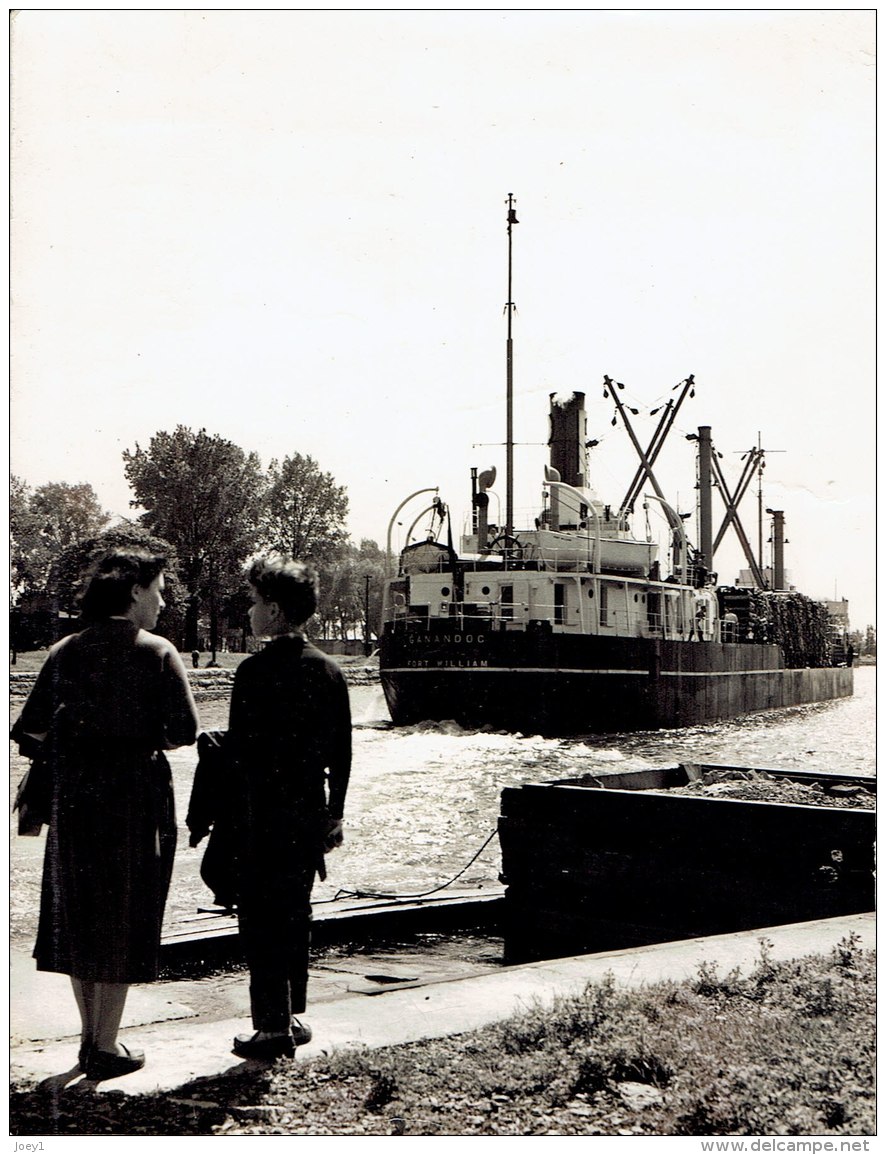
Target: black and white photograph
(442, 521)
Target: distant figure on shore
(290, 724)
(195, 658)
(106, 704)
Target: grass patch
(786, 1050)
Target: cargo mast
(509, 439)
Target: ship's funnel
(778, 578)
(569, 431)
(569, 455)
(481, 506)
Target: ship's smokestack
(705, 530)
(569, 425)
(481, 504)
(777, 548)
(569, 455)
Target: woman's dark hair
(109, 583)
(291, 584)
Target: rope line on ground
(422, 894)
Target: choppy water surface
(423, 799)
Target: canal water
(424, 799)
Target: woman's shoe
(107, 1065)
(301, 1032)
(272, 1047)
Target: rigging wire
(422, 894)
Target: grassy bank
(785, 1050)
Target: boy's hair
(291, 584)
(110, 580)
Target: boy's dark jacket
(272, 783)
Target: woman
(108, 701)
(289, 738)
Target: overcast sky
(289, 228)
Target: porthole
(445, 591)
(484, 590)
(590, 593)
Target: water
(423, 799)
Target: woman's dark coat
(110, 700)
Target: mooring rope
(421, 894)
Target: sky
(289, 228)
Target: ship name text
(445, 639)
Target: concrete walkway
(183, 1044)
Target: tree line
(864, 642)
(210, 505)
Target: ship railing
(422, 616)
(654, 626)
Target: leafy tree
(351, 590)
(45, 522)
(70, 512)
(337, 606)
(371, 575)
(28, 557)
(203, 494)
(305, 511)
(864, 642)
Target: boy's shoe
(274, 1047)
(301, 1032)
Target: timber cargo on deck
(574, 624)
(593, 864)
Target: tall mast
(760, 562)
(509, 440)
(705, 527)
(762, 462)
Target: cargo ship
(576, 625)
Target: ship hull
(559, 684)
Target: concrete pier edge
(182, 1046)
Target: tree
(371, 574)
(202, 494)
(864, 642)
(305, 511)
(44, 523)
(351, 592)
(70, 512)
(337, 608)
(28, 557)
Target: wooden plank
(213, 927)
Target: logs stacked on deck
(800, 625)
